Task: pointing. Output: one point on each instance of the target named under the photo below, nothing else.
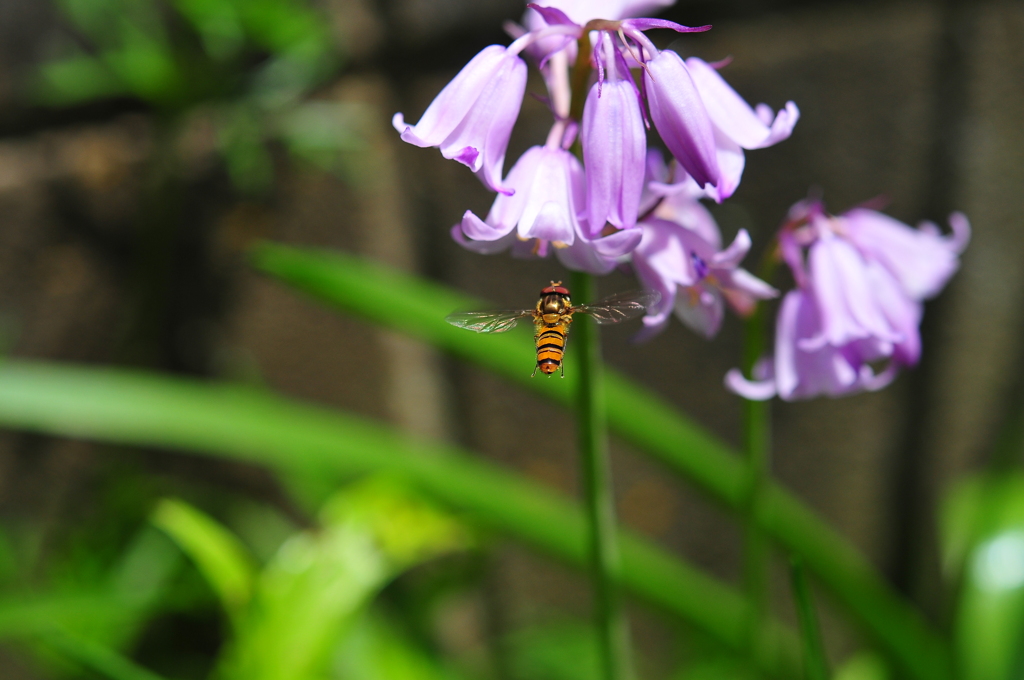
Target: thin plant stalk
(599, 502)
(757, 455)
(815, 664)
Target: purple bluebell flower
(680, 117)
(614, 145)
(736, 126)
(861, 279)
(681, 257)
(798, 373)
(550, 193)
(471, 119)
(921, 259)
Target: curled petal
(742, 281)
(734, 254)
(782, 126)
(582, 11)
(733, 116)
(478, 230)
(648, 24)
(754, 390)
(471, 119)
(921, 259)
(482, 247)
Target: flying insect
(552, 316)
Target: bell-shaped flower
(695, 278)
(730, 113)
(550, 192)
(921, 259)
(796, 372)
(848, 303)
(679, 114)
(471, 119)
(853, 322)
(614, 150)
(736, 126)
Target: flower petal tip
(761, 390)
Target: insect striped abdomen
(550, 347)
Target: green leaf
(319, 581)
(374, 649)
(218, 554)
(75, 80)
(983, 532)
(241, 422)
(863, 666)
(417, 308)
(559, 651)
(97, 658)
(28, 615)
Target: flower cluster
(598, 197)
(852, 321)
(617, 205)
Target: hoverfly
(552, 316)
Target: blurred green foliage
(250, 65)
(305, 603)
(983, 532)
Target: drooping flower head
(681, 257)
(471, 119)
(603, 213)
(853, 322)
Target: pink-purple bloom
(853, 321)
(681, 257)
(623, 206)
(471, 119)
(614, 145)
(550, 192)
(682, 120)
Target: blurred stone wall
(867, 77)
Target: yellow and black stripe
(551, 347)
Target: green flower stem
(815, 664)
(599, 500)
(757, 451)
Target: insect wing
(621, 306)
(497, 321)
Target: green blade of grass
(417, 308)
(129, 407)
(96, 657)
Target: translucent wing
(497, 321)
(621, 306)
